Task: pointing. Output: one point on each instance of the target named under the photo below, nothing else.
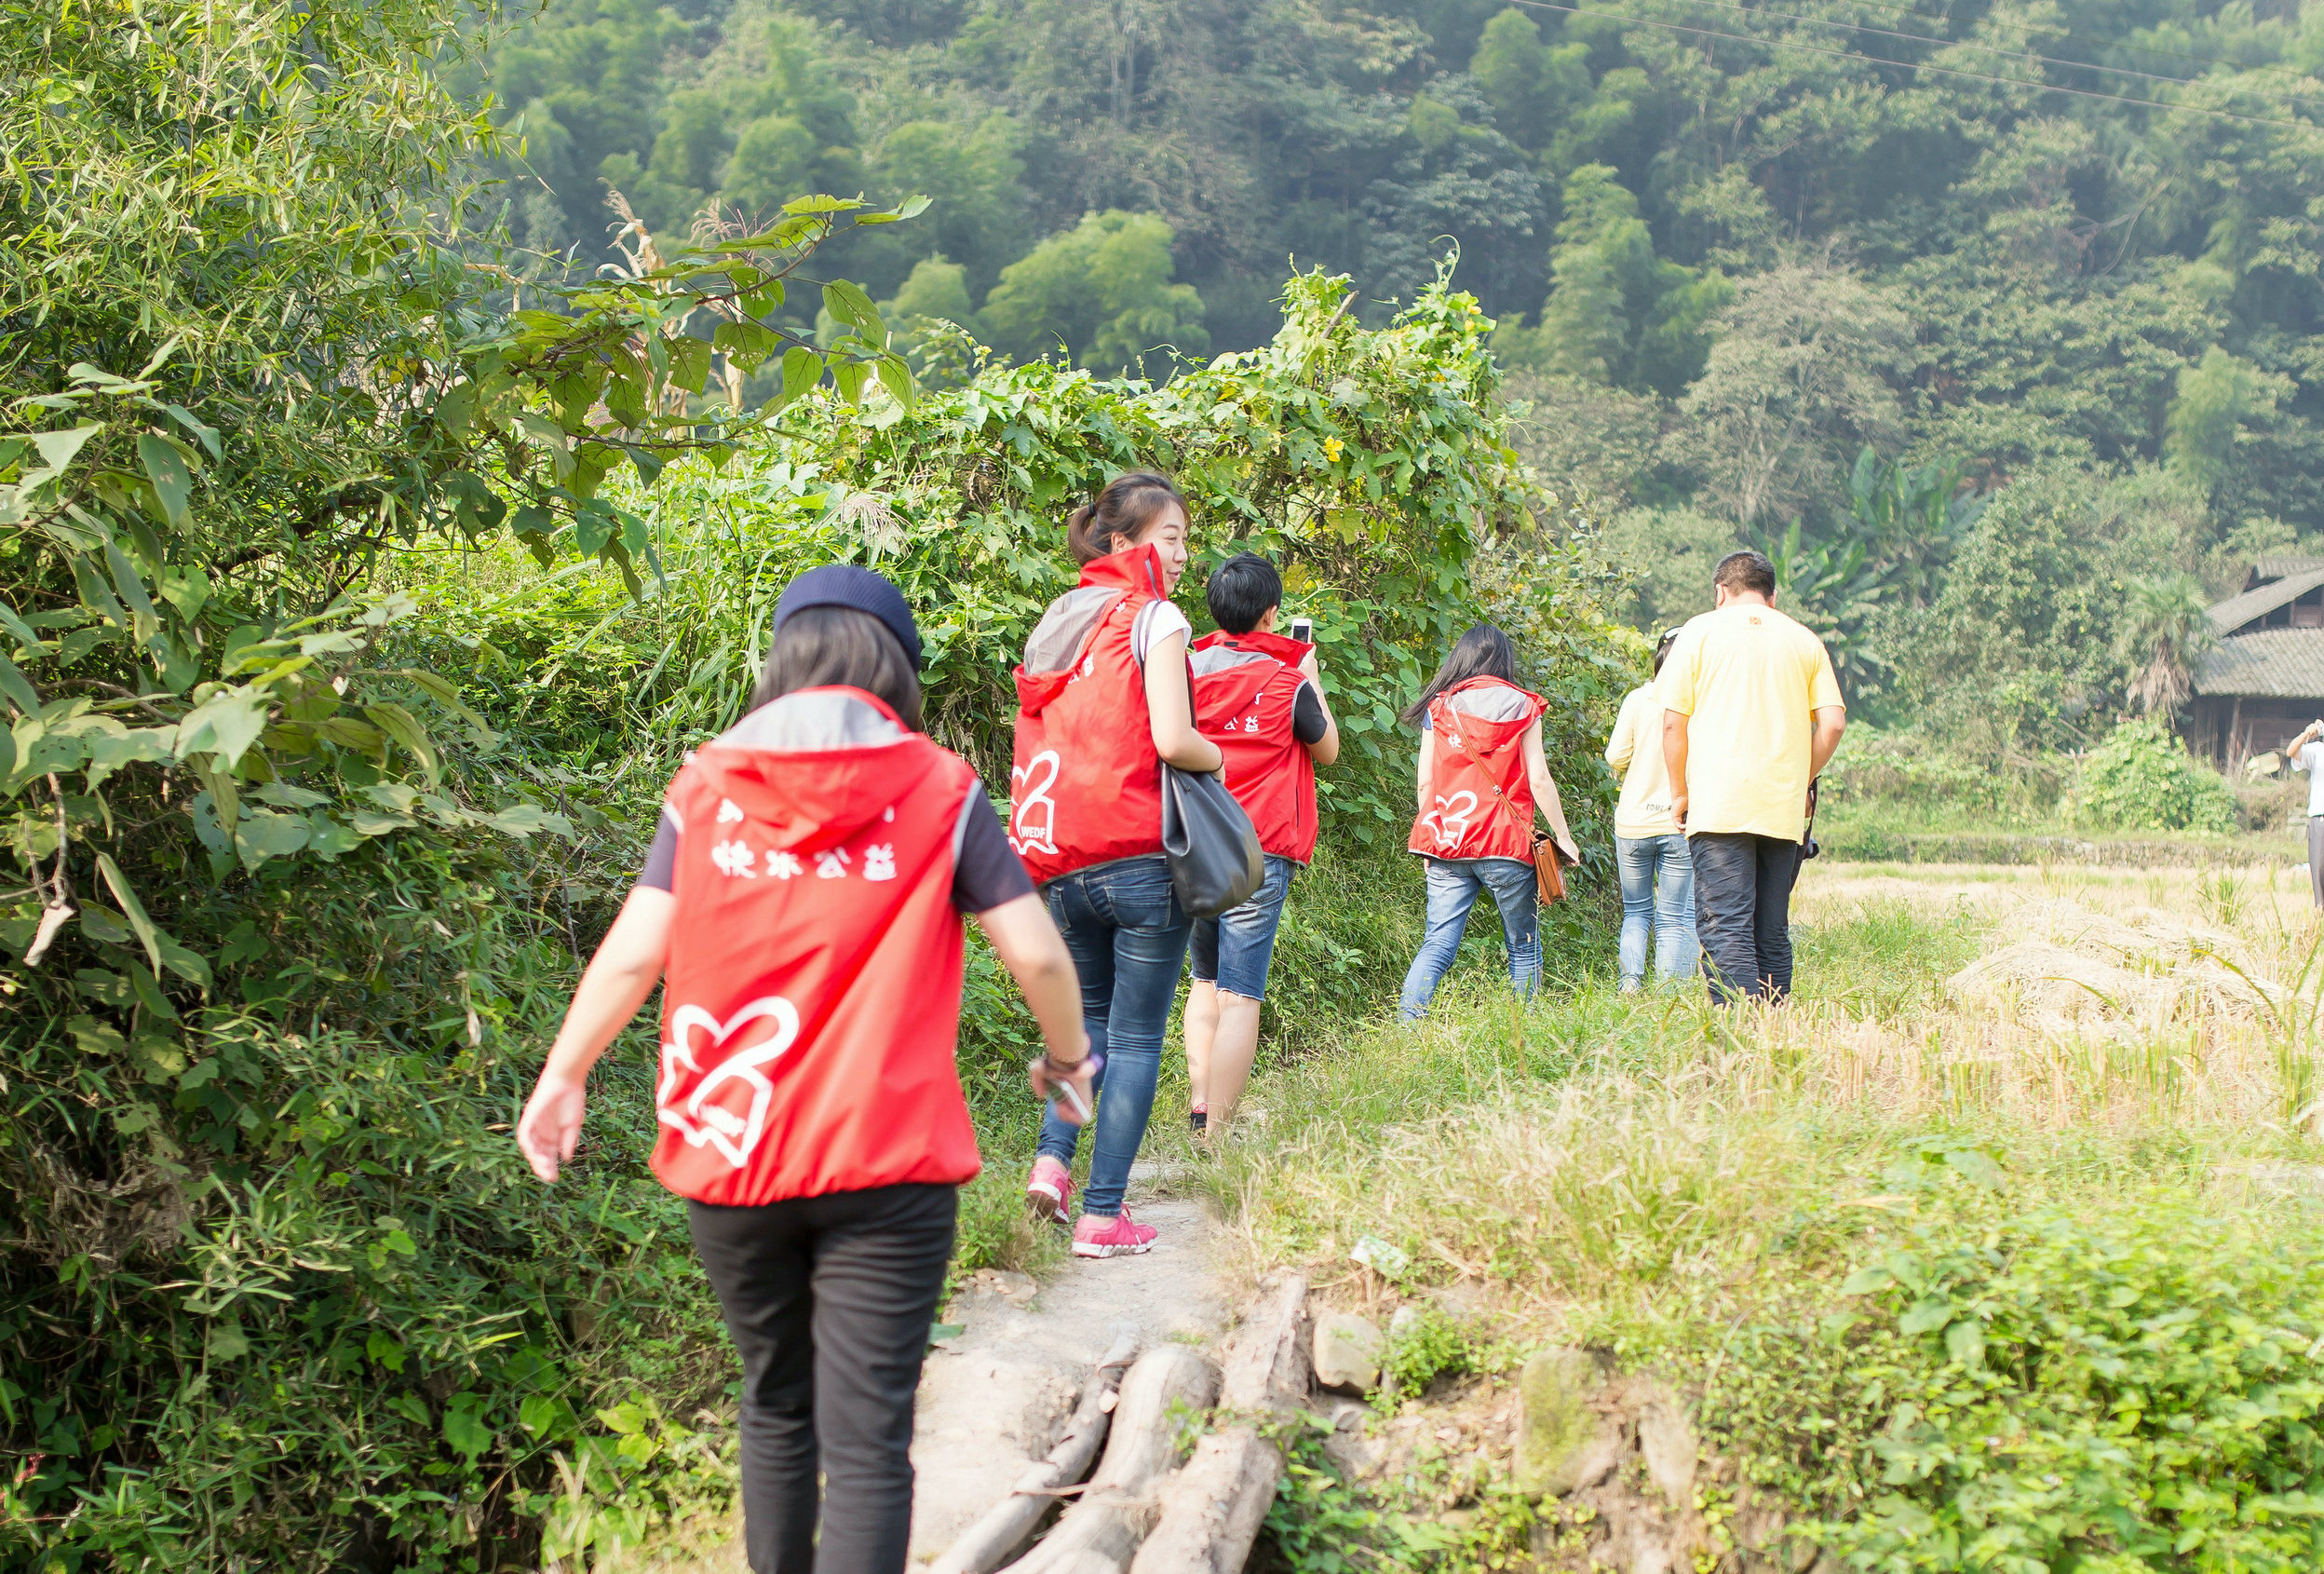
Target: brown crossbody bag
(1549, 858)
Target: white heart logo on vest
(1450, 817)
(702, 1122)
(1031, 812)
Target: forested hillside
(2057, 263)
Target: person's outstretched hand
(1082, 1082)
(551, 1127)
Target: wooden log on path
(1101, 1534)
(1211, 1511)
(1267, 1367)
(985, 1545)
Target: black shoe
(1198, 1120)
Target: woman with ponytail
(1104, 697)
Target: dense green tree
(1101, 292)
(1618, 315)
(1532, 84)
(1800, 378)
(2021, 645)
(1597, 442)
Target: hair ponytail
(1120, 514)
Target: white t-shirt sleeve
(2307, 757)
(1156, 620)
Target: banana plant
(1835, 589)
(1910, 520)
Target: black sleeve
(661, 858)
(988, 871)
(1307, 719)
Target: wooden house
(2263, 679)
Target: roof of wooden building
(2280, 663)
(2236, 612)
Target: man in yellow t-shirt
(1751, 714)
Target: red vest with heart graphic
(812, 1001)
(1246, 687)
(1085, 785)
(1465, 817)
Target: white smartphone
(1062, 1092)
(1303, 629)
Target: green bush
(2125, 1384)
(1880, 771)
(2110, 1396)
(1430, 1345)
(2142, 778)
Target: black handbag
(1208, 844)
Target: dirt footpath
(997, 1396)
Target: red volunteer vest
(1465, 819)
(1245, 689)
(812, 1004)
(1085, 785)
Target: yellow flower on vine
(1331, 446)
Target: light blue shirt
(2311, 759)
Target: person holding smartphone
(802, 907)
(1259, 697)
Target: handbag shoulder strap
(1523, 827)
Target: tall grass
(1589, 1144)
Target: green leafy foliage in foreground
(2013, 1385)
(275, 1291)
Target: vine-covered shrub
(2142, 778)
(1372, 465)
(2005, 1385)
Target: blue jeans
(1658, 892)
(1128, 935)
(1234, 949)
(1453, 887)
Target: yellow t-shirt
(1751, 679)
(1635, 751)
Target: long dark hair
(820, 647)
(1483, 651)
(1119, 514)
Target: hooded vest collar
(1135, 569)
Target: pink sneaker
(1049, 1189)
(1096, 1236)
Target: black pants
(1743, 912)
(829, 1301)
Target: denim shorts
(1232, 950)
